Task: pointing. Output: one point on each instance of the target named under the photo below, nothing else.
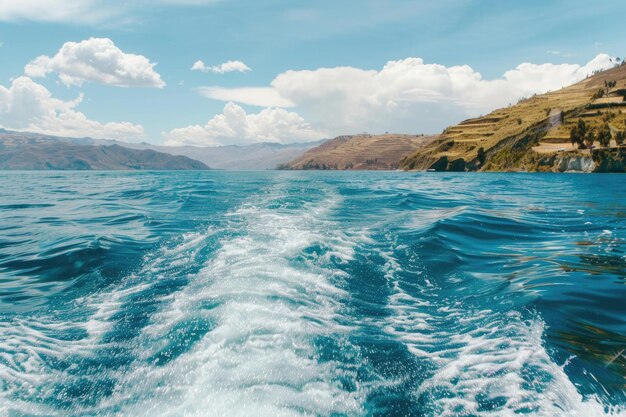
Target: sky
(219, 72)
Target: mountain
(534, 134)
(258, 156)
(29, 151)
(364, 152)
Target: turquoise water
(312, 293)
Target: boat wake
(290, 306)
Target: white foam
(268, 309)
(483, 355)
(25, 375)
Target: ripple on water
(311, 294)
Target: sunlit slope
(532, 135)
(360, 152)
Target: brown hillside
(360, 152)
(521, 136)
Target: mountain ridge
(359, 152)
(257, 156)
(24, 151)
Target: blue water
(312, 294)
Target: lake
(312, 294)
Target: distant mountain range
(254, 157)
(360, 152)
(25, 151)
(33, 151)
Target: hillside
(534, 134)
(360, 152)
(23, 151)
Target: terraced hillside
(534, 134)
(360, 152)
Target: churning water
(312, 294)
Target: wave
(238, 335)
(316, 296)
(482, 362)
(260, 311)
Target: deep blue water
(312, 293)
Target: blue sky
(296, 39)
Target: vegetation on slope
(536, 132)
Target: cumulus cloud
(234, 125)
(29, 106)
(254, 96)
(228, 66)
(407, 95)
(528, 79)
(96, 60)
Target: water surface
(312, 294)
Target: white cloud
(228, 66)
(234, 125)
(528, 79)
(83, 11)
(44, 10)
(254, 96)
(406, 95)
(199, 66)
(96, 60)
(26, 105)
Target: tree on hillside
(582, 127)
(577, 134)
(575, 137)
(598, 94)
(604, 136)
(608, 116)
(590, 137)
(482, 157)
(619, 138)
